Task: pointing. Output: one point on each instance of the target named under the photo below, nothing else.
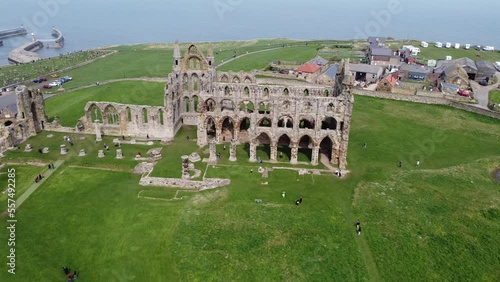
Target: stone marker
(28, 148)
(119, 154)
(45, 150)
(100, 154)
(64, 150)
(82, 153)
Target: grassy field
(436, 222)
(69, 107)
(262, 60)
(495, 96)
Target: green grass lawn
(495, 96)
(437, 222)
(69, 107)
(262, 60)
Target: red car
(464, 93)
(46, 86)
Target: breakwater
(13, 32)
(26, 53)
(58, 38)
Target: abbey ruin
(233, 107)
(23, 119)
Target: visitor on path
(359, 230)
(300, 200)
(123, 137)
(187, 138)
(53, 166)
(418, 163)
(297, 202)
(251, 170)
(224, 147)
(281, 155)
(283, 194)
(147, 136)
(75, 274)
(364, 145)
(400, 164)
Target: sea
(95, 23)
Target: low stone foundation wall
(429, 98)
(209, 183)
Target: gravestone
(64, 150)
(45, 150)
(28, 148)
(119, 154)
(50, 135)
(100, 154)
(82, 153)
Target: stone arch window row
(192, 81)
(236, 90)
(263, 107)
(109, 114)
(244, 78)
(328, 123)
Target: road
(481, 92)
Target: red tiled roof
(308, 68)
(391, 79)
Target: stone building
(233, 107)
(23, 118)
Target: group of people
(39, 178)
(71, 276)
(299, 201)
(67, 139)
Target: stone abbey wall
(232, 106)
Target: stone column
(315, 155)
(335, 154)
(274, 152)
(191, 106)
(232, 151)
(98, 136)
(295, 152)
(253, 152)
(213, 151)
(185, 167)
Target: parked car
(55, 83)
(54, 75)
(68, 78)
(47, 86)
(463, 92)
(39, 80)
(483, 83)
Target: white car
(55, 83)
(68, 78)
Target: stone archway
(244, 128)
(326, 148)
(227, 129)
(263, 143)
(210, 127)
(306, 146)
(284, 150)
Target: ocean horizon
(92, 24)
